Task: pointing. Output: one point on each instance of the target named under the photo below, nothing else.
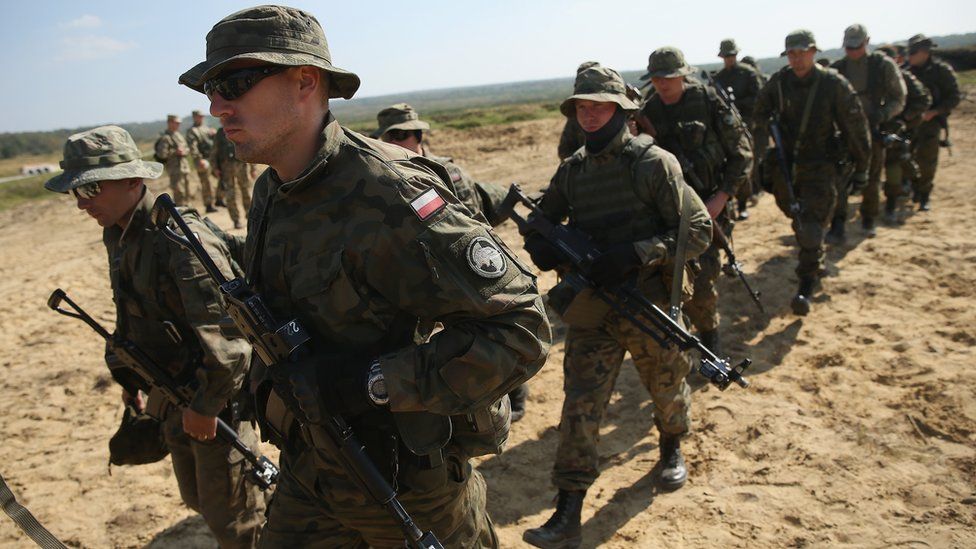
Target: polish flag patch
(427, 204)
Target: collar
(614, 147)
(140, 220)
(330, 140)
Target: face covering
(598, 140)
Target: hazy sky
(70, 64)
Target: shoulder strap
(681, 250)
(807, 109)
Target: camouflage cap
(105, 153)
(888, 49)
(749, 60)
(666, 62)
(585, 65)
(920, 42)
(172, 118)
(398, 117)
(197, 112)
(855, 36)
(728, 47)
(801, 39)
(277, 35)
(601, 84)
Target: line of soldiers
(424, 325)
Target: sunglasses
(397, 135)
(234, 84)
(87, 191)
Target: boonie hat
(105, 153)
(727, 48)
(398, 117)
(855, 35)
(601, 84)
(666, 62)
(801, 39)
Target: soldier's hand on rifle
(136, 401)
(543, 254)
(199, 426)
(614, 265)
(716, 204)
(858, 181)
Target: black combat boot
(562, 530)
(518, 396)
(923, 202)
(673, 473)
(867, 223)
(711, 340)
(836, 233)
(801, 301)
(743, 210)
(211, 209)
(220, 202)
(891, 203)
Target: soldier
(744, 82)
(171, 149)
(401, 125)
(941, 82)
(808, 102)
(638, 186)
(572, 137)
(364, 242)
(166, 304)
(879, 85)
(200, 140)
(233, 176)
(712, 144)
(901, 170)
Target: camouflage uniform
(363, 246)
(815, 163)
(233, 176)
(200, 140)
(878, 83)
(713, 147)
(167, 305)
(939, 78)
(168, 148)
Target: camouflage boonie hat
(666, 62)
(601, 84)
(172, 118)
(586, 65)
(106, 153)
(398, 117)
(727, 48)
(749, 60)
(801, 39)
(197, 113)
(855, 35)
(889, 49)
(920, 42)
(277, 35)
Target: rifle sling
(26, 520)
(681, 251)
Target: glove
(857, 182)
(314, 385)
(543, 254)
(614, 265)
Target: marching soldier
(172, 150)
(233, 176)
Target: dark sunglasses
(234, 84)
(397, 135)
(87, 191)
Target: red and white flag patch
(427, 204)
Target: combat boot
(563, 529)
(743, 210)
(710, 339)
(923, 202)
(518, 397)
(211, 209)
(891, 203)
(220, 202)
(673, 473)
(801, 301)
(836, 233)
(867, 223)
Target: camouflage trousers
(210, 476)
(871, 194)
(702, 310)
(205, 187)
(590, 370)
(234, 180)
(925, 150)
(899, 169)
(179, 186)
(816, 191)
(317, 505)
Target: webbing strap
(25, 520)
(681, 252)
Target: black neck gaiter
(598, 140)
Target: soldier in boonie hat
(398, 117)
(800, 39)
(600, 84)
(855, 36)
(728, 48)
(275, 35)
(920, 42)
(106, 153)
(666, 62)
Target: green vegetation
(13, 193)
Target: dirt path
(859, 430)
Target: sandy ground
(859, 429)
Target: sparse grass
(967, 78)
(13, 193)
(465, 119)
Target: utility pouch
(138, 441)
(581, 309)
(691, 134)
(484, 432)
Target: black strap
(25, 520)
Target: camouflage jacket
(878, 84)
(369, 242)
(167, 147)
(571, 139)
(745, 82)
(223, 156)
(705, 131)
(166, 304)
(835, 108)
(200, 140)
(940, 79)
(483, 198)
(917, 100)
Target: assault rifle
(784, 166)
(624, 299)
(278, 343)
(263, 473)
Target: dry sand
(859, 430)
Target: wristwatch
(376, 385)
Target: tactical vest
(687, 128)
(875, 89)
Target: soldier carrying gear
(199, 138)
(171, 149)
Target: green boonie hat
(197, 113)
(601, 84)
(277, 35)
(585, 65)
(172, 118)
(749, 60)
(801, 39)
(855, 35)
(920, 42)
(888, 49)
(105, 153)
(666, 62)
(727, 48)
(398, 117)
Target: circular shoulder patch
(485, 258)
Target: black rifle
(784, 166)
(626, 300)
(278, 343)
(263, 473)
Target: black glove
(614, 265)
(317, 384)
(543, 254)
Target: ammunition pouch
(138, 441)
(484, 432)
